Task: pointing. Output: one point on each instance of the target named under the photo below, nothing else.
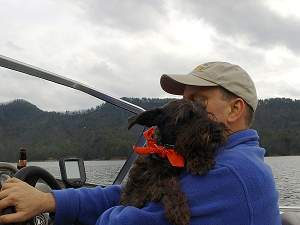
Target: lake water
(286, 171)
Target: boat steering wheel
(31, 175)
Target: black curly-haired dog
(193, 133)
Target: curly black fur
(195, 135)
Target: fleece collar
(249, 137)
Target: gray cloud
(129, 15)
(249, 19)
(45, 95)
(272, 89)
(122, 47)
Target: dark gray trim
(126, 167)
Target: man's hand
(27, 200)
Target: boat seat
(290, 218)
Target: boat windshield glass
(52, 121)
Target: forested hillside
(278, 123)
(101, 132)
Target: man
(239, 190)
(227, 89)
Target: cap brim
(175, 84)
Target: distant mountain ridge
(101, 132)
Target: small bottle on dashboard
(22, 159)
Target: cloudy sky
(122, 47)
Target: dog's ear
(198, 141)
(148, 118)
(217, 132)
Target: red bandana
(153, 148)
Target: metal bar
(46, 75)
(127, 165)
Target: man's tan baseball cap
(231, 77)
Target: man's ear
(237, 108)
(148, 118)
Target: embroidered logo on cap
(201, 68)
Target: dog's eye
(169, 146)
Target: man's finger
(3, 194)
(4, 203)
(11, 218)
(7, 186)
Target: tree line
(101, 132)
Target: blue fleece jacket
(240, 190)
